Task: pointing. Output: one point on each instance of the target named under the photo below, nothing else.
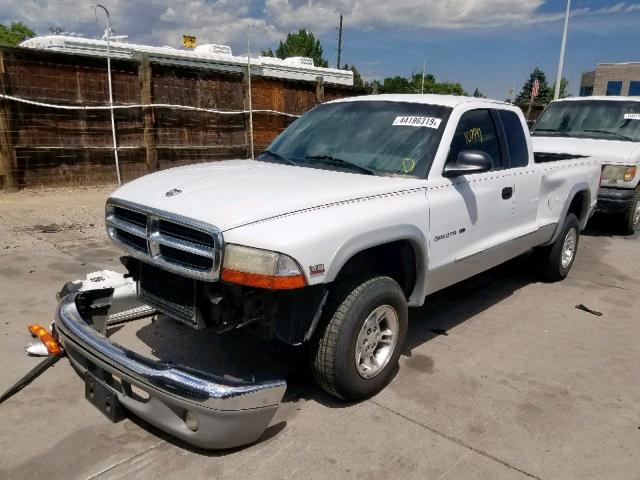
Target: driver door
(470, 215)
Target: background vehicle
(608, 129)
(358, 211)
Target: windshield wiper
(280, 157)
(551, 130)
(339, 162)
(610, 132)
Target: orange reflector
(263, 281)
(53, 347)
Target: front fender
(324, 239)
(380, 236)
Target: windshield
(599, 119)
(368, 137)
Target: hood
(607, 151)
(232, 193)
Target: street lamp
(113, 122)
(562, 49)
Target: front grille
(131, 216)
(174, 230)
(186, 259)
(133, 241)
(169, 293)
(174, 243)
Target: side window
(476, 131)
(516, 140)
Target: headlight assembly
(261, 268)
(618, 173)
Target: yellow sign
(188, 41)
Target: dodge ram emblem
(173, 192)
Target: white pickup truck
(356, 212)
(604, 128)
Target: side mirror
(469, 161)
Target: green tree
(15, 33)
(396, 84)
(358, 81)
(545, 94)
(478, 94)
(413, 84)
(300, 44)
(564, 85)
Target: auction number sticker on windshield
(632, 116)
(429, 122)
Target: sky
(485, 44)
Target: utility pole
(339, 41)
(113, 123)
(424, 67)
(562, 49)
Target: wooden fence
(44, 146)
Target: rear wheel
(557, 259)
(358, 343)
(632, 215)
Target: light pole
(113, 122)
(562, 49)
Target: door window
(476, 131)
(516, 141)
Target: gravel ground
(502, 376)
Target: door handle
(507, 193)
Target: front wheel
(359, 341)
(632, 215)
(556, 260)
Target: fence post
(245, 106)
(8, 162)
(320, 89)
(148, 119)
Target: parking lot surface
(502, 377)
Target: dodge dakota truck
(608, 129)
(358, 211)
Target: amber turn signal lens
(53, 347)
(629, 173)
(264, 281)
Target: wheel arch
(389, 241)
(578, 202)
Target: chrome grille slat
(174, 243)
(183, 245)
(128, 227)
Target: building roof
(619, 63)
(444, 100)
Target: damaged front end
(203, 409)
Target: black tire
(334, 347)
(631, 224)
(550, 257)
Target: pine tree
(545, 94)
(299, 44)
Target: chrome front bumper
(230, 413)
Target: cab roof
(610, 98)
(443, 100)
